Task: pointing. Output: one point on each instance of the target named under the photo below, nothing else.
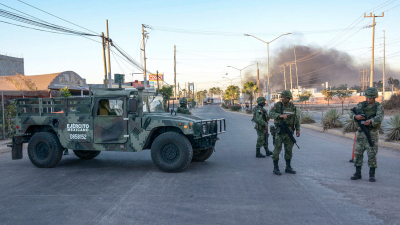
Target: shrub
(331, 120)
(224, 106)
(236, 108)
(393, 133)
(392, 103)
(306, 118)
(349, 126)
(248, 111)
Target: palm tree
(218, 91)
(232, 92)
(250, 88)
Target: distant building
(44, 83)
(11, 65)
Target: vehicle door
(110, 121)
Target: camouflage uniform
(293, 123)
(183, 106)
(260, 117)
(375, 113)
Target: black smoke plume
(316, 66)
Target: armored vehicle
(129, 120)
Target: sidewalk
(337, 132)
(3, 145)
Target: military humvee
(129, 120)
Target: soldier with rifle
(286, 120)
(183, 106)
(368, 115)
(260, 117)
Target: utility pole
(108, 53)
(363, 85)
(368, 79)
(360, 77)
(258, 81)
(144, 34)
(179, 91)
(175, 70)
(297, 77)
(291, 83)
(103, 46)
(383, 80)
(158, 85)
(371, 80)
(284, 74)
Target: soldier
(286, 111)
(260, 117)
(371, 115)
(183, 106)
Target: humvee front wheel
(171, 152)
(203, 155)
(44, 150)
(83, 154)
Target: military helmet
(287, 93)
(371, 92)
(183, 100)
(261, 100)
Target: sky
(208, 35)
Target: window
(110, 107)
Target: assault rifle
(285, 129)
(363, 127)
(266, 135)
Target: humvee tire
(171, 152)
(203, 155)
(44, 150)
(82, 154)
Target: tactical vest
(291, 120)
(369, 111)
(264, 116)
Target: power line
(56, 16)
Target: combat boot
(372, 174)
(276, 168)
(258, 154)
(357, 175)
(267, 152)
(289, 169)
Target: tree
(393, 82)
(328, 95)
(250, 88)
(65, 92)
(357, 88)
(342, 95)
(218, 91)
(232, 93)
(305, 96)
(212, 90)
(167, 91)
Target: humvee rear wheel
(203, 155)
(171, 152)
(44, 150)
(83, 154)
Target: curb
(382, 143)
(244, 114)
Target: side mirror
(132, 106)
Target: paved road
(232, 187)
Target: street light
(240, 72)
(231, 79)
(267, 88)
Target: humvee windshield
(153, 103)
